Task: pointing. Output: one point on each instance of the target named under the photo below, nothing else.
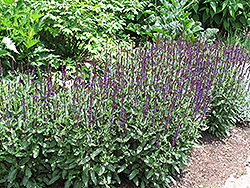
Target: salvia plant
(138, 118)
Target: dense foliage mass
(135, 109)
(139, 117)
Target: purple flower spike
(24, 110)
(176, 135)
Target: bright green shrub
(84, 28)
(19, 39)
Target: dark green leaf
(54, 179)
(12, 175)
(150, 173)
(24, 161)
(28, 172)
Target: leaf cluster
(226, 15)
(19, 39)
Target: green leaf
(36, 151)
(12, 175)
(64, 173)
(31, 43)
(139, 149)
(54, 179)
(142, 184)
(95, 153)
(224, 4)
(226, 24)
(110, 167)
(231, 11)
(8, 2)
(25, 180)
(123, 167)
(24, 161)
(150, 173)
(136, 181)
(133, 174)
(109, 177)
(28, 172)
(92, 174)
(213, 5)
(67, 183)
(85, 160)
(117, 178)
(9, 44)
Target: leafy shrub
(18, 35)
(141, 117)
(230, 95)
(226, 15)
(168, 17)
(82, 28)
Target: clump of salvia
(140, 118)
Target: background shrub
(226, 15)
(19, 39)
(168, 17)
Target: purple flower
(176, 134)
(24, 110)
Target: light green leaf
(9, 44)
(95, 153)
(213, 5)
(139, 149)
(8, 2)
(133, 174)
(123, 167)
(12, 175)
(110, 167)
(36, 151)
(92, 174)
(109, 176)
(25, 180)
(150, 173)
(67, 183)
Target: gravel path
(241, 182)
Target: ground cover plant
(139, 116)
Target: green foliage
(91, 132)
(18, 35)
(169, 17)
(84, 28)
(227, 15)
(227, 107)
